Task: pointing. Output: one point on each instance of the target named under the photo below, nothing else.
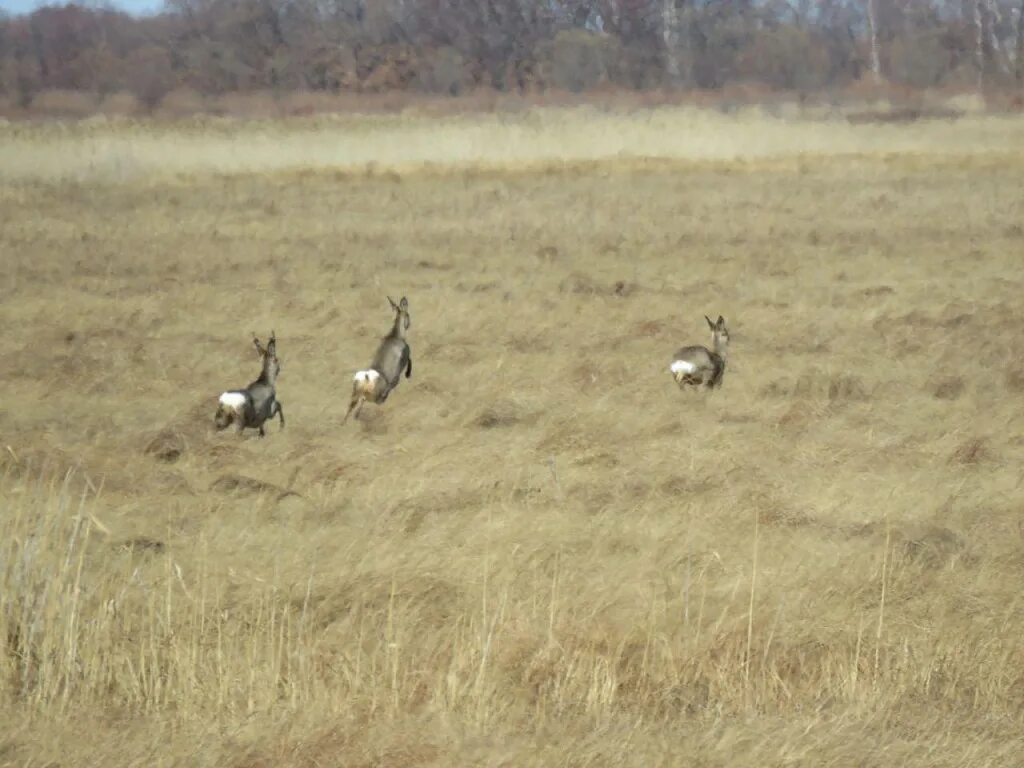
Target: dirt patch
(414, 512)
(817, 384)
(580, 283)
(168, 446)
(373, 419)
(931, 546)
(973, 451)
(1015, 380)
(232, 483)
(648, 329)
(503, 413)
(434, 265)
(549, 253)
(948, 389)
(773, 511)
(925, 544)
(141, 544)
(837, 387)
(687, 486)
(795, 417)
(603, 459)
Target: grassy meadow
(539, 551)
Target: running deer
(696, 365)
(392, 359)
(252, 406)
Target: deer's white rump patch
(367, 377)
(680, 367)
(233, 400)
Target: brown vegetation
(295, 57)
(538, 551)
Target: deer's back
(391, 359)
(261, 396)
(701, 357)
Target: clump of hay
(649, 329)
(168, 446)
(773, 511)
(837, 388)
(188, 432)
(231, 483)
(586, 285)
(548, 253)
(973, 451)
(777, 388)
(502, 413)
(845, 387)
(931, 546)
(17, 462)
(373, 420)
(1015, 380)
(948, 389)
(140, 544)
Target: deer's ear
(256, 343)
(272, 344)
(392, 303)
(710, 324)
(404, 304)
(721, 322)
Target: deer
(697, 365)
(385, 372)
(252, 406)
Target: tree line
(453, 46)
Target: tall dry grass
(133, 151)
(538, 552)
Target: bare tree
(1019, 55)
(215, 46)
(979, 44)
(670, 37)
(876, 65)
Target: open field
(127, 151)
(539, 551)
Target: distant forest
(216, 47)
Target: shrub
(920, 62)
(443, 71)
(787, 58)
(577, 59)
(60, 103)
(150, 75)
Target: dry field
(539, 551)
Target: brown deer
(697, 365)
(252, 406)
(392, 359)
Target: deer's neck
(397, 331)
(268, 375)
(721, 347)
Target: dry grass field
(539, 551)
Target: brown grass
(539, 551)
(860, 102)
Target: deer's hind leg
(279, 411)
(354, 405)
